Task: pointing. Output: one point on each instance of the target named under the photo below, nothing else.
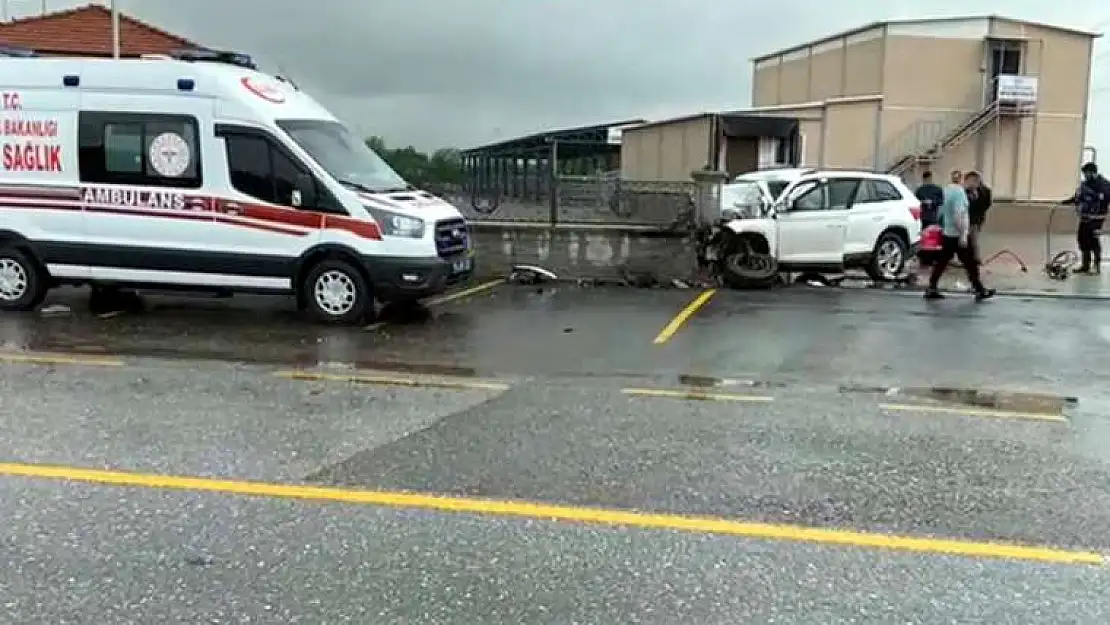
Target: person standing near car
(1091, 201)
(979, 200)
(931, 197)
(956, 224)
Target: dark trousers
(950, 247)
(1090, 248)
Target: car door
(874, 202)
(813, 222)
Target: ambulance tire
(335, 292)
(23, 280)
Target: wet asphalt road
(195, 394)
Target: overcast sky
(464, 72)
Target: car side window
(866, 193)
(248, 162)
(286, 173)
(147, 149)
(876, 191)
(886, 191)
(258, 168)
(842, 192)
(807, 196)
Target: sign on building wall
(1017, 89)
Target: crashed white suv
(810, 220)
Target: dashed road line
(474, 290)
(562, 513)
(42, 358)
(694, 394)
(382, 379)
(449, 297)
(976, 412)
(683, 316)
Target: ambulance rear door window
(143, 149)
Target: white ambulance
(197, 172)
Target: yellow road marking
(391, 380)
(38, 358)
(683, 316)
(977, 412)
(693, 394)
(443, 299)
(450, 297)
(554, 512)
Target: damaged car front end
(737, 249)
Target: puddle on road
(1008, 401)
(707, 381)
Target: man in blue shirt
(956, 225)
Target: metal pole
(115, 29)
(43, 7)
(553, 188)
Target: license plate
(460, 265)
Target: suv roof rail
(865, 170)
(239, 59)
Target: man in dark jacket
(1091, 201)
(931, 197)
(979, 200)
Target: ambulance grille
(452, 237)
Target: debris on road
(55, 310)
(531, 274)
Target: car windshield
(741, 194)
(343, 155)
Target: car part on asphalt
(531, 274)
(1057, 266)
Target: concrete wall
(666, 150)
(846, 66)
(850, 132)
(583, 252)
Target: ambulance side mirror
(304, 193)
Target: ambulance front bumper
(400, 278)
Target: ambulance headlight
(398, 225)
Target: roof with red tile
(87, 31)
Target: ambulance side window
(139, 149)
(262, 170)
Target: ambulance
(197, 172)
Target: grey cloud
(464, 72)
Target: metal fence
(602, 198)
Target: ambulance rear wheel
(335, 292)
(23, 281)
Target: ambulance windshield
(343, 155)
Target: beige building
(1005, 97)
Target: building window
(140, 149)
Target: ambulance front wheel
(335, 292)
(23, 281)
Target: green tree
(443, 167)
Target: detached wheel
(889, 258)
(23, 282)
(745, 264)
(334, 292)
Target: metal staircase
(930, 152)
